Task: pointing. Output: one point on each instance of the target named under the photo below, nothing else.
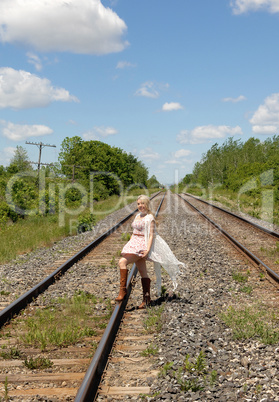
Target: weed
(213, 377)
(37, 363)
(4, 293)
(193, 375)
(64, 322)
(150, 351)
(240, 277)
(147, 396)
(12, 353)
(246, 289)
(258, 389)
(166, 367)
(154, 320)
(6, 391)
(252, 322)
(163, 290)
(125, 236)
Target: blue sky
(163, 80)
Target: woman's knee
(122, 263)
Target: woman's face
(142, 206)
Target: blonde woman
(146, 244)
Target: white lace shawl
(161, 255)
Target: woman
(146, 244)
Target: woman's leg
(123, 262)
(145, 282)
(141, 266)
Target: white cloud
(182, 153)
(99, 132)
(149, 154)
(20, 132)
(78, 26)
(243, 6)
(6, 155)
(150, 89)
(125, 64)
(22, 90)
(204, 134)
(234, 100)
(35, 60)
(179, 157)
(266, 119)
(168, 107)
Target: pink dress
(137, 241)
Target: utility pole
(40, 145)
(74, 166)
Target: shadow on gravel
(163, 299)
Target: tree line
(233, 163)
(91, 164)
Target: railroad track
(126, 372)
(258, 243)
(62, 379)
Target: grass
(240, 277)
(12, 353)
(38, 363)
(27, 235)
(253, 322)
(272, 252)
(245, 203)
(65, 322)
(34, 232)
(151, 350)
(154, 320)
(193, 375)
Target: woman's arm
(145, 253)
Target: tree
(110, 165)
(20, 161)
(153, 182)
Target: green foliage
(252, 322)
(240, 277)
(86, 221)
(125, 236)
(12, 353)
(232, 164)
(193, 375)
(154, 320)
(38, 363)
(64, 322)
(20, 161)
(112, 166)
(153, 182)
(151, 350)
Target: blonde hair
(146, 202)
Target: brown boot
(146, 293)
(123, 282)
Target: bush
(86, 222)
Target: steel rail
(270, 232)
(273, 274)
(19, 304)
(89, 387)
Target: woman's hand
(143, 253)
